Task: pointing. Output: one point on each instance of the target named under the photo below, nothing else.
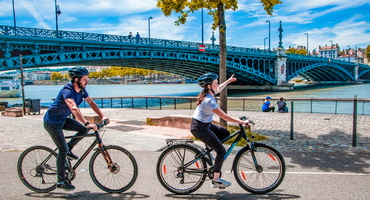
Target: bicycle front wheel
(37, 168)
(179, 172)
(117, 176)
(263, 176)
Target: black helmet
(206, 79)
(77, 72)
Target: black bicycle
(112, 168)
(182, 167)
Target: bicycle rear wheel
(116, 177)
(263, 178)
(37, 168)
(177, 178)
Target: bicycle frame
(97, 140)
(240, 134)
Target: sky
(345, 22)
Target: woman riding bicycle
(55, 119)
(203, 129)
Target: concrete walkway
(312, 132)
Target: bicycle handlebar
(244, 118)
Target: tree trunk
(222, 68)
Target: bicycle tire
(34, 174)
(175, 179)
(118, 179)
(263, 179)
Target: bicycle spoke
(119, 175)
(173, 173)
(37, 168)
(264, 175)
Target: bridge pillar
(280, 67)
(8, 50)
(355, 71)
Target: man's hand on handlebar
(92, 126)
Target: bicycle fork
(110, 165)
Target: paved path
(321, 163)
(312, 132)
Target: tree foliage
(297, 51)
(368, 53)
(184, 7)
(56, 76)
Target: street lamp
(308, 52)
(349, 48)
(264, 43)
(268, 21)
(331, 48)
(15, 24)
(57, 13)
(202, 28)
(149, 27)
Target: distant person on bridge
(56, 120)
(130, 36)
(282, 108)
(266, 106)
(137, 37)
(203, 129)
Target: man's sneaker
(65, 186)
(71, 155)
(219, 183)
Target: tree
(368, 53)
(56, 76)
(217, 10)
(297, 51)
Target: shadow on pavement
(225, 195)
(330, 152)
(88, 195)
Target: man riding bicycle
(56, 119)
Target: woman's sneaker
(65, 186)
(219, 183)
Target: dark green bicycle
(183, 166)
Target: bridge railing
(96, 37)
(303, 105)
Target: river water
(47, 93)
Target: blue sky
(346, 22)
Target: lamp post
(202, 28)
(15, 24)
(331, 48)
(57, 13)
(308, 52)
(349, 48)
(264, 43)
(149, 28)
(268, 21)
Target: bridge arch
(323, 71)
(189, 64)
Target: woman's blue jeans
(56, 133)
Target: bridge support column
(8, 50)
(280, 67)
(355, 71)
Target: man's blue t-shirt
(266, 105)
(204, 111)
(59, 110)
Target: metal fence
(304, 105)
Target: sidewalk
(312, 132)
